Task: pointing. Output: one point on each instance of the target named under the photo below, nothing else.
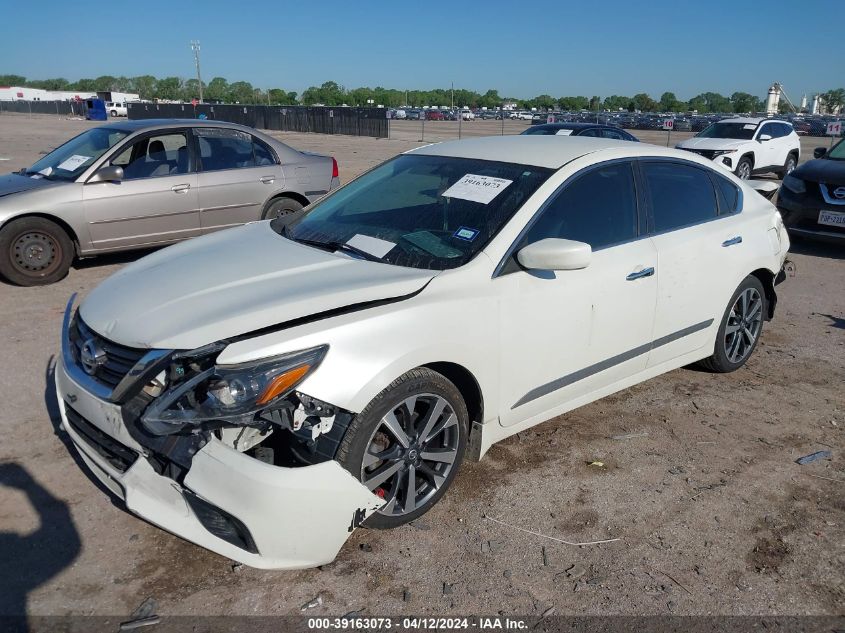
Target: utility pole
(195, 46)
(453, 95)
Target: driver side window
(598, 208)
(153, 156)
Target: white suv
(748, 146)
(116, 108)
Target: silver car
(139, 184)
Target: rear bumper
(261, 515)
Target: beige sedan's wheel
(34, 252)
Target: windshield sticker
(477, 188)
(749, 126)
(74, 162)
(563, 133)
(466, 234)
(37, 176)
(372, 245)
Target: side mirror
(109, 173)
(764, 137)
(555, 254)
(819, 152)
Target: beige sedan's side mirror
(109, 173)
(555, 254)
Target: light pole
(195, 46)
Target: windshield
(67, 161)
(431, 212)
(837, 152)
(743, 131)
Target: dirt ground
(699, 481)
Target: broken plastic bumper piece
(259, 514)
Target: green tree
(241, 92)
(217, 90)
(13, 80)
(169, 88)
(615, 102)
(191, 90)
(144, 85)
(280, 97)
(669, 103)
(834, 100)
(745, 102)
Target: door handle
(645, 272)
(268, 180)
(180, 188)
(732, 241)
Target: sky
(520, 48)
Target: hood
(233, 282)
(822, 170)
(15, 183)
(712, 143)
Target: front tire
(34, 252)
(741, 327)
(407, 445)
(743, 168)
(790, 164)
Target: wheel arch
(750, 156)
(473, 397)
(293, 195)
(67, 228)
(767, 278)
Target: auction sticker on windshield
(371, 245)
(477, 188)
(73, 162)
(563, 132)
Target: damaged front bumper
(259, 514)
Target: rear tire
(34, 252)
(741, 328)
(744, 168)
(407, 445)
(280, 207)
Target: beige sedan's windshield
(69, 160)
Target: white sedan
(265, 390)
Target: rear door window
(680, 194)
(224, 149)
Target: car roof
(749, 119)
(136, 125)
(538, 150)
(573, 125)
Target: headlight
(720, 152)
(231, 394)
(795, 185)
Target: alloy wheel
(744, 171)
(411, 453)
(35, 253)
(743, 327)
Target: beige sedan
(141, 184)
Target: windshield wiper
(335, 246)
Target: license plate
(832, 218)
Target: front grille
(119, 456)
(119, 358)
(706, 153)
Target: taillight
(335, 172)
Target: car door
(698, 233)
(566, 334)
(237, 176)
(768, 151)
(156, 202)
